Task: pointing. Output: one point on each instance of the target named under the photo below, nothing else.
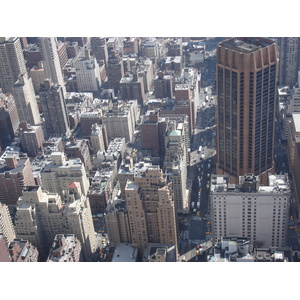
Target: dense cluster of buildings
(101, 125)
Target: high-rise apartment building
(51, 61)
(163, 86)
(12, 62)
(117, 222)
(79, 149)
(246, 95)
(9, 119)
(114, 70)
(151, 210)
(62, 53)
(32, 138)
(37, 74)
(87, 73)
(59, 173)
(248, 209)
(41, 215)
(120, 120)
(25, 99)
(54, 108)
(6, 224)
(97, 138)
(131, 45)
(175, 163)
(15, 174)
(153, 129)
(132, 87)
(289, 60)
(99, 48)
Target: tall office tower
(163, 86)
(54, 108)
(246, 95)
(65, 248)
(41, 215)
(32, 138)
(151, 210)
(25, 99)
(248, 209)
(51, 61)
(132, 87)
(9, 119)
(99, 49)
(15, 174)
(87, 72)
(57, 175)
(289, 60)
(6, 224)
(114, 70)
(12, 62)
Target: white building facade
(259, 213)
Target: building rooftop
(246, 44)
(19, 168)
(63, 248)
(160, 252)
(125, 253)
(248, 183)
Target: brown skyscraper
(246, 92)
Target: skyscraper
(54, 108)
(246, 93)
(25, 99)
(115, 70)
(12, 62)
(289, 60)
(14, 79)
(9, 119)
(51, 61)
